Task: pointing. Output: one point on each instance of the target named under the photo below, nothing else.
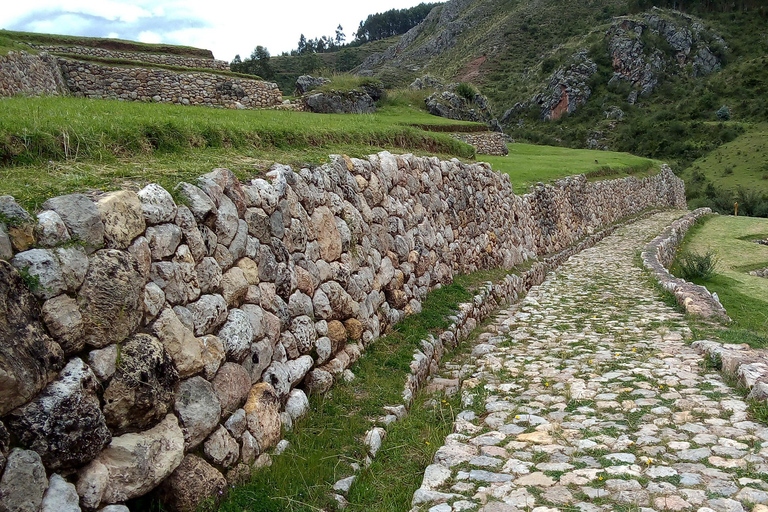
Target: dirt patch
(471, 71)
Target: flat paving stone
(593, 400)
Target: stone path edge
(660, 253)
(490, 298)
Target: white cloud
(150, 37)
(232, 27)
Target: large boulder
(121, 213)
(263, 415)
(132, 465)
(232, 385)
(23, 483)
(29, 358)
(111, 298)
(452, 105)
(18, 224)
(64, 423)
(198, 408)
(306, 83)
(193, 482)
(61, 496)
(179, 342)
(141, 391)
(355, 101)
(82, 218)
(324, 224)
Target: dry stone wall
(147, 341)
(490, 143)
(91, 80)
(152, 58)
(659, 254)
(34, 75)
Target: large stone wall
(92, 80)
(152, 58)
(33, 75)
(146, 341)
(485, 143)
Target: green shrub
(466, 91)
(723, 113)
(691, 265)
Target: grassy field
(57, 145)
(745, 297)
(740, 163)
(528, 164)
(52, 146)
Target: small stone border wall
(152, 58)
(660, 253)
(92, 80)
(763, 272)
(487, 143)
(749, 366)
(167, 342)
(35, 75)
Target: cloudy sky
(225, 27)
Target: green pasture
(528, 164)
(745, 297)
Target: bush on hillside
(723, 113)
(692, 265)
(466, 91)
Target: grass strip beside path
(745, 297)
(330, 438)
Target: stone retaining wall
(152, 58)
(167, 342)
(34, 75)
(660, 253)
(91, 80)
(490, 143)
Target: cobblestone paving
(586, 397)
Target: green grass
(329, 438)
(10, 38)
(745, 297)
(528, 164)
(740, 163)
(56, 145)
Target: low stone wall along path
(585, 396)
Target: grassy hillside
(528, 164)
(287, 68)
(10, 40)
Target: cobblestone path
(586, 397)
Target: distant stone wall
(168, 60)
(148, 343)
(489, 143)
(92, 80)
(659, 254)
(33, 75)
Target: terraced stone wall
(35, 75)
(489, 143)
(92, 80)
(150, 339)
(152, 58)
